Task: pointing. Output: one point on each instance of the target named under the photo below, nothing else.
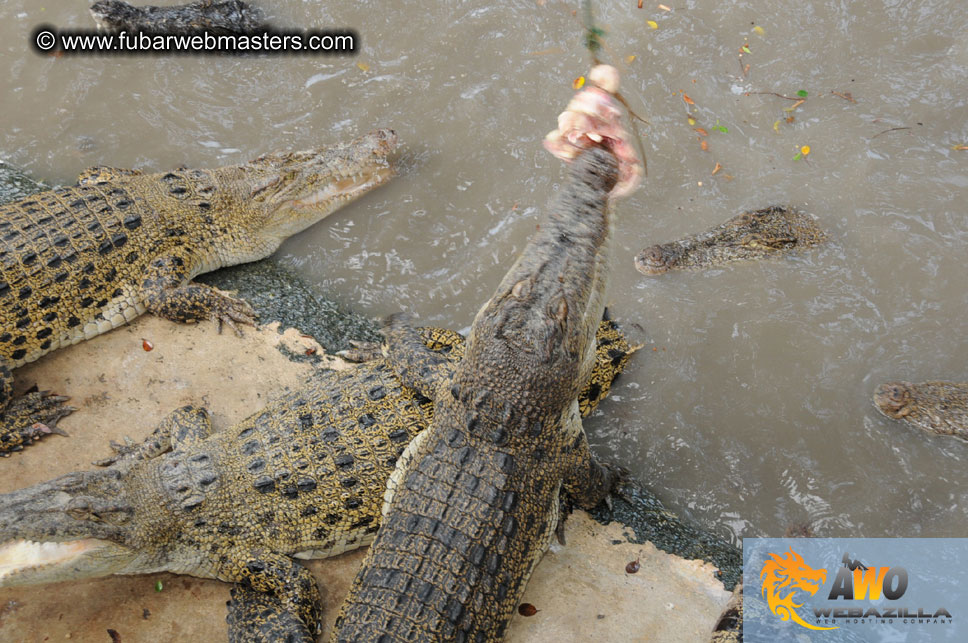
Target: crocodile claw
(31, 417)
(232, 311)
(361, 351)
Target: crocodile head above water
(751, 235)
(937, 407)
(288, 192)
(72, 527)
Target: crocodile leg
(167, 295)
(28, 417)
(276, 600)
(257, 617)
(182, 428)
(587, 481)
(417, 365)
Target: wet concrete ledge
(582, 590)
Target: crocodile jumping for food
(303, 477)
(79, 261)
(937, 407)
(752, 235)
(218, 18)
(474, 501)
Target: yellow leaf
(363, 66)
(629, 59)
(692, 121)
(805, 150)
(776, 126)
(653, 24)
(758, 29)
(578, 83)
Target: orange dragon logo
(790, 572)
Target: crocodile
(474, 500)
(78, 261)
(218, 18)
(304, 477)
(937, 407)
(756, 234)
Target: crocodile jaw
(305, 187)
(25, 562)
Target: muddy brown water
(749, 409)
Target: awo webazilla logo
(787, 578)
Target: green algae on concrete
(640, 510)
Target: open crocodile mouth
(344, 189)
(24, 562)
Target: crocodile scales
(474, 500)
(78, 261)
(305, 474)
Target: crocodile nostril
(652, 261)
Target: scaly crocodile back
(73, 259)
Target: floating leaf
(527, 609)
(578, 83)
(664, 8)
(721, 128)
(746, 49)
(717, 169)
(629, 59)
(960, 147)
(652, 23)
(704, 145)
(145, 344)
(776, 126)
(692, 121)
(632, 567)
(797, 157)
(790, 119)
(363, 66)
(802, 93)
(688, 100)
(795, 105)
(805, 150)
(758, 29)
(640, 4)
(158, 586)
(702, 132)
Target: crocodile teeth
(19, 555)
(345, 187)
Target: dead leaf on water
(716, 169)
(664, 8)
(688, 100)
(363, 66)
(701, 131)
(704, 145)
(548, 52)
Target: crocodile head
(288, 192)
(69, 528)
(751, 235)
(894, 399)
(114, 14)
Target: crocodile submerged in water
(303, 477)
(937, 407)
(218, 18)
(752, 235)
(474, 501)
(78, 261)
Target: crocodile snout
(893, 399)
(654, 260)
